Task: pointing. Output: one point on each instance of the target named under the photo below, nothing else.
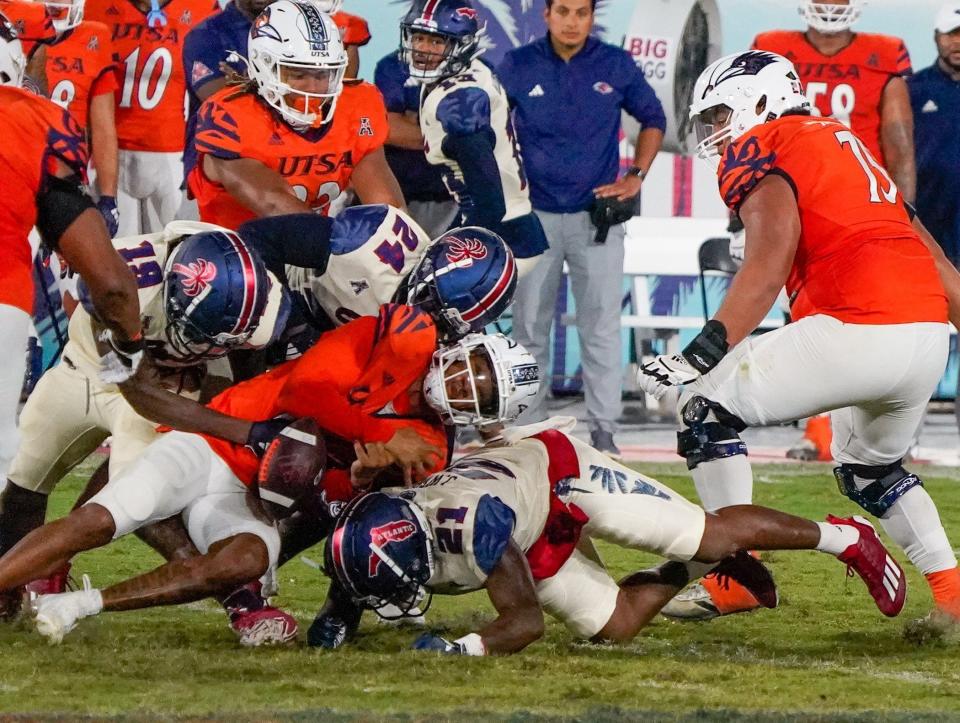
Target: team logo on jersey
(602, 87)
(464, 251)
(467, 13)
(365, 128)
(262, 27)
(359, 286)
(199, 72)
(383, 535)
(197, 275)
(93, 43)
(186, 18)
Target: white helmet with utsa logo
(13, 63)
(66, 14)
(292, 41)
(498, 379)
(831, 17)
(738, 92)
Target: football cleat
(739, 584)
(266, 626)
(56, 615)
(870, 560)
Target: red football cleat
(51, 585)
(869, 559)
(266, 626)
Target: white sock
(914, 524)
(724, 482)
(834, 539)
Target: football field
(825, 654)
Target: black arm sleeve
(481, 176)
(59, 203)
(297, 239)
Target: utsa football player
(340, 383)
(465, 121)
(521, 520)
(293, 137)
(870, 296)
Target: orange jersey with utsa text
(36, 134)
(858, 258)
(849, 85)
(80, 67)
(152, 85)
(317, 164)
(353, 29)
(32, 22)
(355, 382)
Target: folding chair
(714, 256)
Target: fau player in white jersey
(466, 125)
(520, 520)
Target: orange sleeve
(746, 162)
(106, 71)
(218, 133)
(66, 141)
(353, 29)
(901, 62)
(371, 133)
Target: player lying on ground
(520, 521)
(869, 293)
(202, 294)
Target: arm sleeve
(217, 132)
(481, 176)
(640, 101)
(390, 85)
(202, 55)
(353, 29)
(298, 239)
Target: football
(292, 466)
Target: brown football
(293, 464)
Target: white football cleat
(56, 615)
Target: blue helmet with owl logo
(465, 280)
(217, 294)
(453, 21)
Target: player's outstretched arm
(896, 137)
(771, 220)
(374, 182)
(257, 187)
(949, 276)
(513, 595)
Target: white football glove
(667, 370)
(121, 362)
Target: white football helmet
(830, 17)
(738, 92)
(289, 39)
(459, 374)
(13, 63)
(66, 14)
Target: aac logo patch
(365, 128)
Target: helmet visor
(309, 90)
(462, 385)
(712, 128)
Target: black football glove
(263, 433)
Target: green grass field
(825, 654)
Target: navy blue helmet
(216, 290)
(454, 21)
(465, 281)
(381, 552)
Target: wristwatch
(636, 171)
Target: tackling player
(197, 303)
(466, 125)
(521, 521)
(148, 37)
(295, 135)
(868, 289)
(204, 477)
(42, 163)
(81, 79)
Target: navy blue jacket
(567, 117)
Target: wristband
(471, 644)
(708, 347)
(636, 171)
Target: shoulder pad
(464, 111)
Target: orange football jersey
(858, 258)
(152, 86)
(353, 29)
(355, 382)
(36, 134)
(317, 164)
(79, 67)
(31, 21)
(848, 85)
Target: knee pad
(885, 485)
(705, 441)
